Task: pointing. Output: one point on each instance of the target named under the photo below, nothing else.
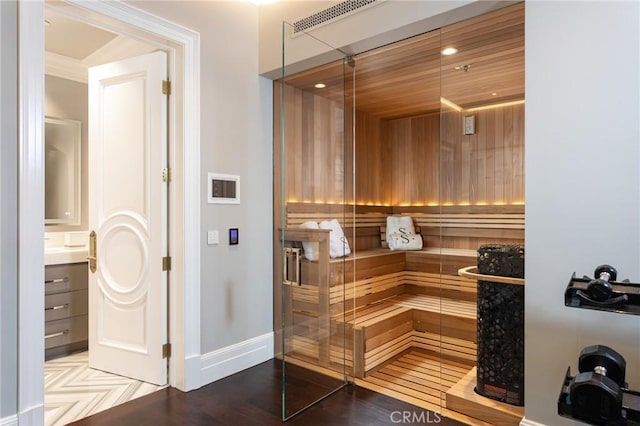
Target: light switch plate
(213, 237)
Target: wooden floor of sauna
(417, 377)
(253, 397)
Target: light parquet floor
(74, 391)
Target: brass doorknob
(93, 255)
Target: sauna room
(393, 169)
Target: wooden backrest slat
(458, 222)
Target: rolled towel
(401, 241)
(311, 249)
(338, 244)
(399, 225)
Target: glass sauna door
(312, 207)
(481, 213)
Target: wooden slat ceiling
(409, 77)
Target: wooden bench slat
(435, 379)
(453, 368)
(437, 401)
(417, 371)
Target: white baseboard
(9, 421)
(31, 416)
(525, 422)
(232, 359)
(192, 372)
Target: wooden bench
(385, 328)
(375, 304)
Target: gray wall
(69, 99)
(8, 209)
(582, 167)
(236, 138)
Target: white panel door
(127, 210)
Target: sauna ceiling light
(494, 94)
(320, 86)
(447, 51)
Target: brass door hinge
(166, 174)
(166, 87)
(166, 350)
(166, 263)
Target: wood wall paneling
(314, 147)
(487, 167)
(414, 147)
(373, 161)
(406, 161)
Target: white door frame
(184, 227)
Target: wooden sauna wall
(487, 167)
(419, 160)
(484, 168)
(414, 172)
(373, 161)
(314, 161)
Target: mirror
(62, 171)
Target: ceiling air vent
(330, 14)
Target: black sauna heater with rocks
(501, 325)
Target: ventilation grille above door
(330, 14)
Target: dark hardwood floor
(253, 397)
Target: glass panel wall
(482, 203)
(397, 190)
(416, 150)
(312, 186)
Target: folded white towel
(399, 225)
(401, 241)
(338, 244)
(311, 249)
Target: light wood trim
(472, 272)
(383, 389)
(301, 234)
(463, 398)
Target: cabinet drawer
(65, 305)
(65, 331)
(60, 278)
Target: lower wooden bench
(385, 329)
(379, 305)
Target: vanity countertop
(56, 252)
(60, 255)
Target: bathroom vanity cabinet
(65, 309)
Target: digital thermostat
(233, 236)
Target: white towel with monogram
(399, 225)
(401, 241)
(338, 244)
(401, 234)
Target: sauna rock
(501, 325)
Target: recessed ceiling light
(449, 51)
(320, 86)
(494, 94)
